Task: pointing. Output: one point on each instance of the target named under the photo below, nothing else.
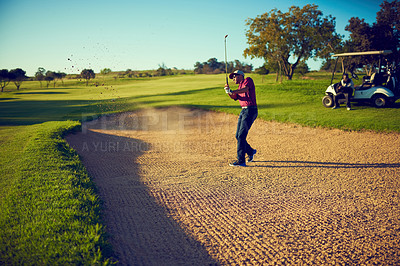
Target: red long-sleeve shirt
(246, 98)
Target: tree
(384, 34)
(163, 70)
(40, 75)
(49, 77)
(52, 76)
(198, 68)
(263, 71)
(105, 71)
(299, 34)
(129, 72)
(361, 40)
(387, 28)
(17, 76)
(361, 36)
(302, 68)
(246, 68)
(4, 78)
(215, 65)
(273, 66)
(61, 75)
(328, 65)
(88, 74)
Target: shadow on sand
(140, 230)
(308, 164)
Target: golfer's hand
(227, 89)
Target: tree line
(17, 76)
(286, 39)
(51, 76)
(212, 66)
(161, 71)
(384, 34)
(48, 76)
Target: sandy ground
(312, 196)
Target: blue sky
(69, 36)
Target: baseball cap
(237, 72)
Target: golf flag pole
(226, 62)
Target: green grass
(49, 212)
(297, 101)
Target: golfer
(246, 94)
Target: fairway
(171, 198)
(297, 101)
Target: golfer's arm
(233, 96)
(242, 90)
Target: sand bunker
(311, 196)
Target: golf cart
(380, 89)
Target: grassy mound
(49, 212)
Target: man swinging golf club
(246, 94)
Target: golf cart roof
(383, 52)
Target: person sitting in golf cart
(344, 89)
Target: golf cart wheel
(379, 100)
(327, 101)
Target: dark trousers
(341, 95)
(246, 119)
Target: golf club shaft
(226, 63)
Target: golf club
(226, 62)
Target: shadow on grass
(141, 230)
(44, 92)
(7, 99)
(33, 112)
(395, 105)
(308, 164)
(25, 112)
(180, 93)
(367, 104)
(188, 92)
(236, 106)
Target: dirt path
(311, 196)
